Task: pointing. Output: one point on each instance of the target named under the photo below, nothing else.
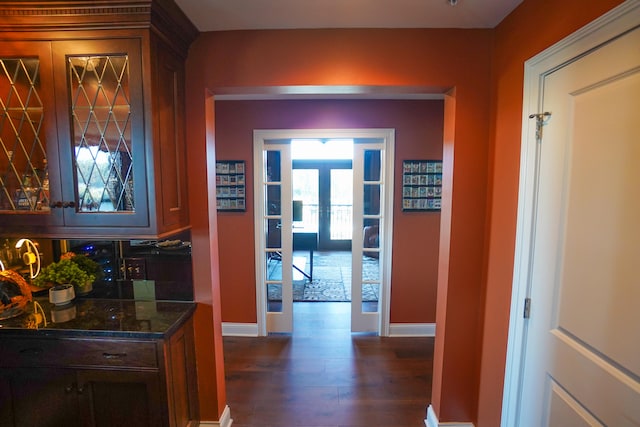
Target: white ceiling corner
(224, 15)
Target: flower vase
(61, 294)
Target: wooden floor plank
(321, 375)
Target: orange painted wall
(531, 28)
(251, 61)
(483, 126)
(418, 126)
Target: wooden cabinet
(94, 133)
(111, 398)
(99, 381)
(41, 397)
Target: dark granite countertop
(100, 317)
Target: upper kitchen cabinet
(92, 129)
(27, 134)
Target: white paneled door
(581, 345)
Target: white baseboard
(412, 330)
(230, 329)
(432, 421)
(225, 420)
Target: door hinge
(527, 308)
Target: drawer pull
(31, 350)
(114, 356)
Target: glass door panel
(273, 167)
(372, 165)
(101, 130)
(341, 204)
(273, 228)
(24, 180)
(325, 186)
(29, 168)
(305, 185)
(372, 199)
(273, 232)
(371, 279)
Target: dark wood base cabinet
(114, 382)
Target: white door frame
(617, 21)
(386, 135)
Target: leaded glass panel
(101, 114)
(24, 182)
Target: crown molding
(58, 15)
(163, 17)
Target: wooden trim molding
(52, 15)
(432, 421)
(412, 330)
(172, 26)
(225, 420)
(231, 329)
(395, 329)
(163, 17)
(43, 8)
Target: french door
(326, 191)
(371, 223)
(274, 236)
(372, 209)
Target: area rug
(331, 279)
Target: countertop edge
(44, 332)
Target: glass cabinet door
(27, 132)
(102, 135)
(101, 129)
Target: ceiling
(221, 15)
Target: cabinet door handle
(114, 356)
(68, 389)
(60, 204)
(80, 389)
(31, 350)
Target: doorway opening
(321, 234)
(322, 187)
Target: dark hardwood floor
(324, 376)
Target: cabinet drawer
(24, 352)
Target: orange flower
(67, 255)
